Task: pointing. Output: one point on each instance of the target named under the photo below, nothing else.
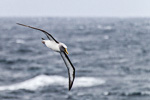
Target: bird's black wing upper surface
(49, 36)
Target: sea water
(111, 57)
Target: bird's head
(63, 48)
(43, 40)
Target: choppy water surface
(111, 57)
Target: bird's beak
(66, 51)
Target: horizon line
(74, 16)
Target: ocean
(111, 57)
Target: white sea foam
(104, 27)
(20, 41)
(45, 80)
(106, 37)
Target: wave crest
(45, 80)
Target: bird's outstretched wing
(70, 67)
(49, 36)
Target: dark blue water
(111, 57)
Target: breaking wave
(45, 80)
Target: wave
(105, 27)
(11, 61)
(19, 41)
(139, 93)
(45, 80)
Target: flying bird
(53, 44)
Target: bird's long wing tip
(20, 24)
(70, 85)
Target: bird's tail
(42, 38)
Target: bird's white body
(52, 45)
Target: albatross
(53, 44)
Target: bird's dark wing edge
(49, 36)
(70, 67)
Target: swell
(12, 61)
(139, 93)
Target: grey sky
(102, 8)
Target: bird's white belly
(52, 45)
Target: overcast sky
(83, 8)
